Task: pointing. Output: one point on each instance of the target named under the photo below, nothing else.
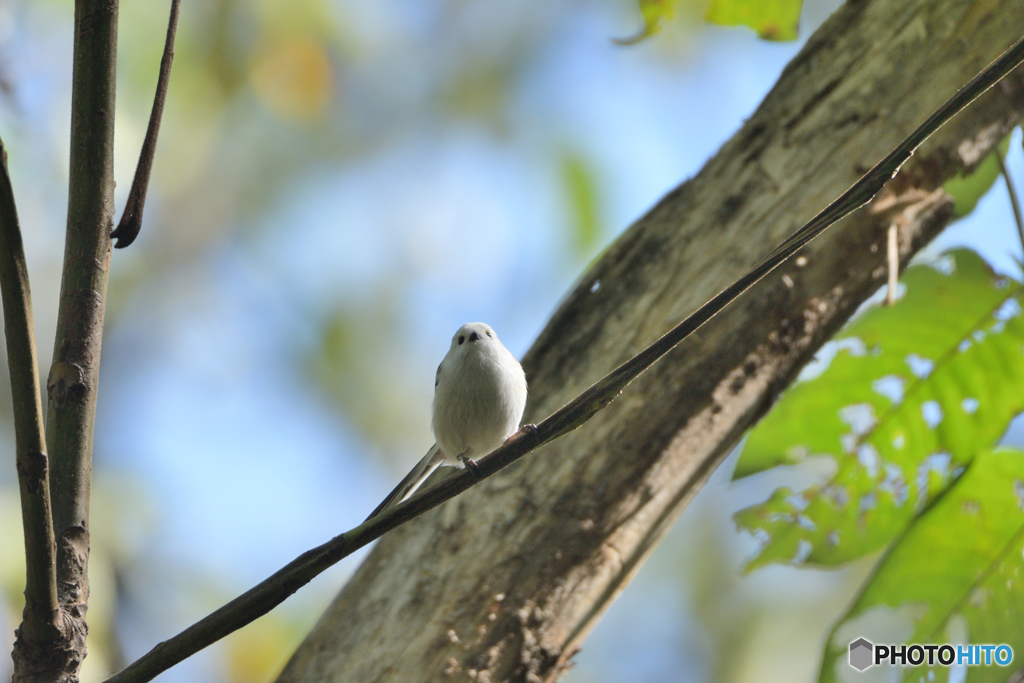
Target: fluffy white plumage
(479, 398)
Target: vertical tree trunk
(504, 582)
(72, 381)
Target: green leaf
(959, 564)
(967, 190)
(771, 19)
(913, 392)
(581, 189)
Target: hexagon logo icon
(860, 654)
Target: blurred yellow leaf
(316, 16)
(256, 653)
(654, 12)
(293, 78)
(772, 19)
(12, 550)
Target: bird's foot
(527, 431)
(471, 465)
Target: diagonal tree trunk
(504, 582)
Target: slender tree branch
(41, 619)
(1012, 191)
(131, 220)
(271, 592)
(71, 385)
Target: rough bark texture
(504, 582)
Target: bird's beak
(474, 337)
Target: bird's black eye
(489, 333)
(461, 339)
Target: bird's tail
(423, 469)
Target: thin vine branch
(41, 618)
(1012, 191)
(892, 258)
(271, 592)
(131, 220)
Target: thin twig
(1012, 191)
(131, 220)
(892, 253)
(271, 592)
(41, 619)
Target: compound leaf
(953, 577)
(913, 392)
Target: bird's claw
(473, 468)
(527, 431)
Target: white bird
(479, 398)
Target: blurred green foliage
(121, 520)
(653, 13)
(582, 192)
(968, 189)
(364, 391)
(770, 19)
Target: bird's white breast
(478, 401)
